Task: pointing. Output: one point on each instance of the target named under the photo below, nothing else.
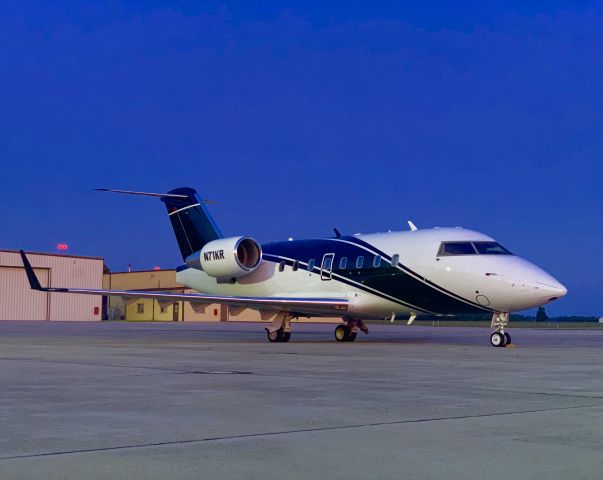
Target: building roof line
(110, 272)
(50, 254)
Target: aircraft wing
(295, 304)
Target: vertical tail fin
(192, 223)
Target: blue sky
(301, 116)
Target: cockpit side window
(491, 248)
(456, 248)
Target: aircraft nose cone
(529, 286)
(553, 290)
(536, 292)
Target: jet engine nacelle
(229, 257)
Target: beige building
(19, 302)
(146, 309)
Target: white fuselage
(421, 281)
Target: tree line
(540, 317)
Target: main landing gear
(343, 333)
(348, 331)
(278, 335)
(280, 329)
(500, 338)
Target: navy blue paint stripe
(413, 273)
(406, 285)
(360, 286)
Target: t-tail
(192, 223)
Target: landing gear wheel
(508, 339)
(286, 337)
(342, 333)
(497, 339)
(276, 335)
(352, 337)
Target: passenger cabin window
(395, 260)
(281, 267)
(359, 262)
(343, 263)
(491, 248)
(457, 248)
(377, 261)
(311, 263)
(295, 265)
(327, 263)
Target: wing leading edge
(303, 305)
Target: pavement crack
(290, 432)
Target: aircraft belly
(301, 284)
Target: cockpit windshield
(491, 248)
(472, 248)
(457, 248)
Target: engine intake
(228, 257)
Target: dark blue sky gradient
(301, 116)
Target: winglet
(412, 226)
(34, 283)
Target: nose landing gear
(500, 338)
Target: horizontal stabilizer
(151, 194)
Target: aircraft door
(326, 268)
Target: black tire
(342, 333)
(497, 339)
(507, 338)
(286, 337)
(352, 337)
(275, 336)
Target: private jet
(435, 271)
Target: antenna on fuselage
(337, 233)
(412, 226)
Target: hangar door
(19, 302)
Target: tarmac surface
(193, 401)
